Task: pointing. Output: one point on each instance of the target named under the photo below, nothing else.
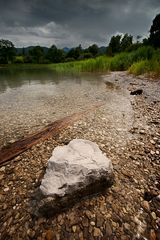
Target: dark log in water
(13, 150)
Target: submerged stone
(74, 171)
(137, 92)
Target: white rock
(72, 165)
(74, 171)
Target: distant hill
(20, 51)
(27, 49)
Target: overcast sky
(73, 22)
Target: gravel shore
(127, 129)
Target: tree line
(117, 44)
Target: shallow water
(31, 99)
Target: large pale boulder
(73, 172)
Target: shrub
(138, 68)
(19, 59)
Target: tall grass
(145, 60)
(142, 60)
(139, 67)
(145, 66)
(99, 64)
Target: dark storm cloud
(70, 22)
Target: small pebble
(154, 215)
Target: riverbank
(130, 136)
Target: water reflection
(12, 78)
(33, 98)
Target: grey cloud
(70, 22)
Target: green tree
(37, 54)
(154, 37)
(71, 54)
(78, 52)
(145, 41)
(60, 56)
(55, 55)
(7, 51)
(23, 51)
(87, 55)
(115, 44)
(126, 42)
(51, 53)
(28, 59)
(94, 50)
(109, 51)
(75, 53)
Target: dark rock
(149, 195)
(108, 230)
(136, 92)
(100, 220)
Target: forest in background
(122, 53)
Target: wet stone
(146, 205)
(85, 222)
(108, 229)
(100, 220)
(97, 232)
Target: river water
(32, 98)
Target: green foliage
(75, 53)
(28, 59)
(93, 50)
(7, 51)
(98, 64)
(19, 59)
(156, 56)
(140, 67)
(145, 66)
(133, 47)
(143, 53)
(119, 44)
(154, 38)
(87, 55)
(55, 55)
(115, 44)
(143, 60)
(120, 62)
(37, 54)
(126, 42)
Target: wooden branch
(14, 149)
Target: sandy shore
(127, 129)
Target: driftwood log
(9, 152)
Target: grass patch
(142, 60)
(99, 64)
(139, 68)
(145, 66)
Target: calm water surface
(33, 98)
(13, 78)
